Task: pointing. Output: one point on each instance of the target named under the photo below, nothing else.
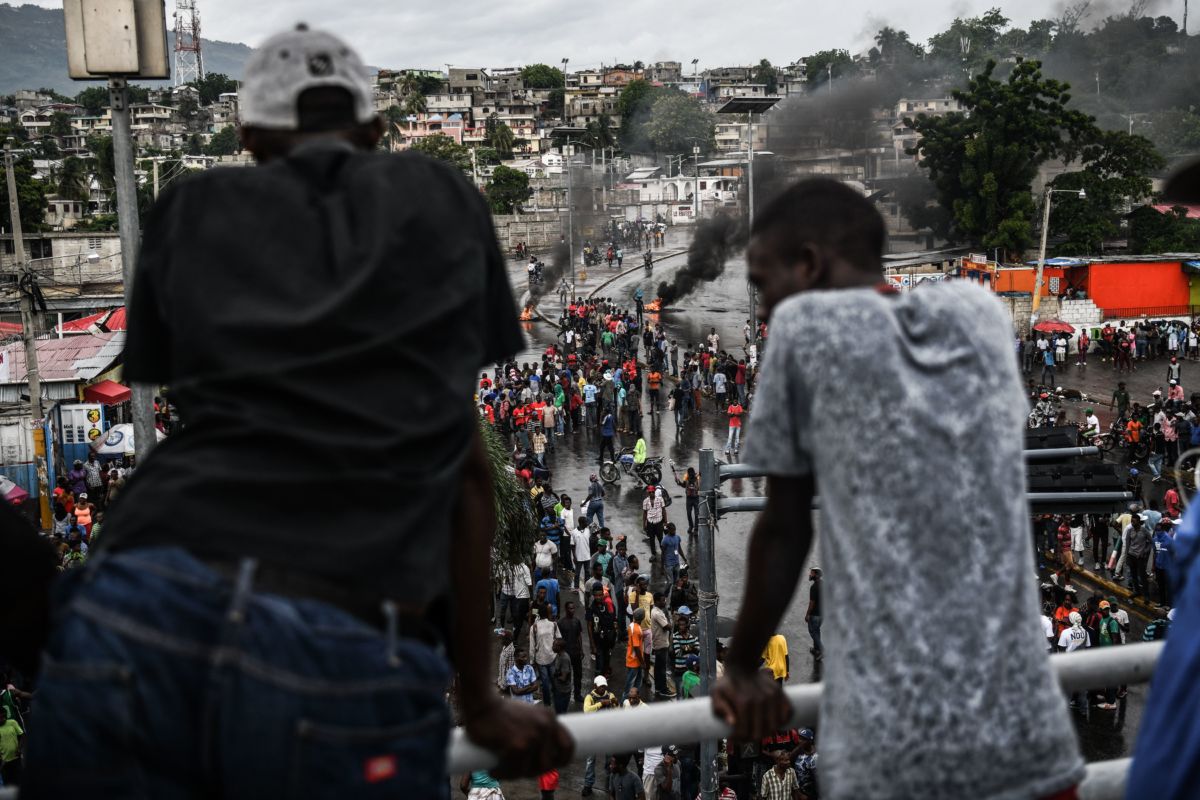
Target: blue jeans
(545, 683)
(633, 677)
(1155, 463)
(814, 630)
(734, 440)
(165, 679)
(596, 510)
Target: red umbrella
(1054, 326)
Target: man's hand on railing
(753, 704)
(526, 738)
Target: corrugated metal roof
(73, 358)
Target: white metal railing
(687, 721)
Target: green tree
(224, 142)
(516, 528)
(1152, 231)
(676, 122)
(895, 47)
(766, 74)
(507, 190)
(94, 100)
(212, 86)
(486, 156)
(188, 110)
(73, 179)
(499, 136)
(818, 66)
(555, 103)
(600, 132)
(47, 147)
(542, 76)
(31, 194)
(983, 162)
(633, 104)
(394, 122)
(60, 124)
(104, 164)
(54, 95)
(1116, 169)
(138, 94)
(443, 148)
(195, 145)
(979, 34)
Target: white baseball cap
(289, 63)
(600, 681)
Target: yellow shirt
(591, 703)
(774, 656)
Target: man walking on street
(570, 628)
(1139, 542)
(812, 617)
(660, 633)
(815, 255)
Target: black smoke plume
(560, 264)
(715, 240)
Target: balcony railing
(688, 721)
(691, 721)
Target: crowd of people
(586, 609)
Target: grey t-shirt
(908, 411)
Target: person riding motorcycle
(1091, 424)
(1044, 411)
(648, 260)
(639, 452)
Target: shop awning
(107, 393)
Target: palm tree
(516, 529)
(499, 136)
(73, 179)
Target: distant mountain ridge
(33, 52)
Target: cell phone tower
(189, 58)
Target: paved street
(722, 304)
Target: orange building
(1122, 286)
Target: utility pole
(568, 148)
(25, 286)
(144, 434)
(750, 210)
(707, 592)
(156, 176)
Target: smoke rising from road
(715, 240)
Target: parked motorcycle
(648, 473)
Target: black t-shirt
(571, 629)
(814, 597)
(321, 321)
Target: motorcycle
(648, 262)
(648, 473)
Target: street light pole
(569, 148)
(1041, 265)
(750, 219)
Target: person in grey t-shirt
(945, 689)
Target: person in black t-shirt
(288, 306)
(813, 615)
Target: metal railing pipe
(688, 721)
(734, 471)
(1037, 500)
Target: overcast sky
(493, 33)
